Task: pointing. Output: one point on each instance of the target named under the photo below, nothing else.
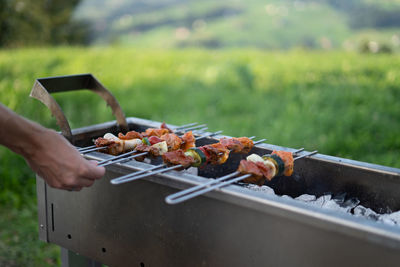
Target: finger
(93, 171)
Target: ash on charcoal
(191, 170)
(347, 204)
(264, 188)
(361, 211)
(390, 218)
(340, 202)
(351, 203)
(306, 198)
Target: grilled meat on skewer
(213, 154)
(277, 164)
(156, 146)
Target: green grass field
(343, 104)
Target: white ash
(338, 203)
(264, 188)
(192, 170)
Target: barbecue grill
(130, 224)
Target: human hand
(60, 164)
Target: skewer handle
(214, 184)
(133, 176)
(189, 195)
(123, 159)
(120, 179)
(171, 198)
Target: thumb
(94, 171)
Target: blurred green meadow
(340, 103)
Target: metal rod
(169, 199)
(259, 141)
(123, 159)
(200, 131)
(196, 191)
(183, 130)
(133, 176)
(84, 148)
(208, 135)
(306, 155)
(185, 197)
(117, 157)
(121, 178)
(194, 127)
(185, 125)
(93, 149)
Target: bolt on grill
(236, 225)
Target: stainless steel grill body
(131, 225)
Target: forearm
(19, 134)
(47, 153)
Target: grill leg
(71, 259)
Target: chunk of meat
(153, 150)
(155, 132)
(266, 170)
(178, 157)
(188, 141)
(237, 145)
(173, 141)
(287, 158)
(103, 142)
(110, 146)
(247, 144)
(233, 144)
(130, 135)
(249, 167)
(164, 126)
(217, 153)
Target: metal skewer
(144, 173)
(121, 178)
(94, 148)
(192, 128)
(172, 198)
(122, 158)
(185, 125)
(208, 186)
(132, 176)
(178, 129)
(84, 148)
(134, 151)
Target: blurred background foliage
(316, 74)
(41, 22)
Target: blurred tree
(40, 22)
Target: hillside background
(325, 24)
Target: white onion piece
(255, 158)
(111, 137)
(271, 165)
(132, 143)
(162, 147)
